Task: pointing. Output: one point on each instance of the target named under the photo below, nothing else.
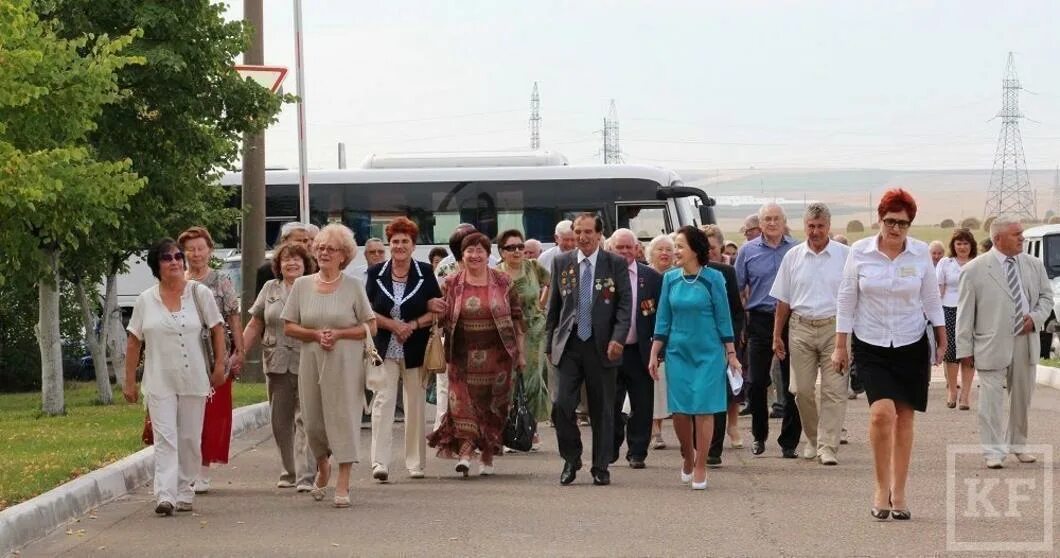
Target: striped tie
(1014, 292)
(585, 301)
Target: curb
(36, 517)
(1049, 376)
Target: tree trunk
(96, 343)
(50, 341)
(116, 336)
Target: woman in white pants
(398, 290)
(170, 317)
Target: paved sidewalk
(765, 506)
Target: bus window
(646, 219)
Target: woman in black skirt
(888, 288)
(962, 251)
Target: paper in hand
(735, 380)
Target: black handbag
(521, 426)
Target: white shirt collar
(591, 257)
(997, 254)
(912, 245)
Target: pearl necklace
(321, 279)
(694, 279)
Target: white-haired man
(1004, 297)
(532, 249)
(564, 237)
(292, 231)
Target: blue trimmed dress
(694, 322)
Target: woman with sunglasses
(889, 286)
(197, 245)
(529, 281)
(177, 377)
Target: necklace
(321, 279)
(694, 279)
(200, 277)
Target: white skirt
(661, 409)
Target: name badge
(907, 271)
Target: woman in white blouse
(962, 251)
(169, 317)
(888, 287)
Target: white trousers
(385, 386)
(177, 424)
(997, 439)
(441, 390)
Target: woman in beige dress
(661, 259)
(329, 312)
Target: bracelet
(730, 353)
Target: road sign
(269, 77)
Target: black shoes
(570, 472)
(636, 463)
(713, 461)
(789, 453)
(776, 413)
(758, 447)
(164, 508)
(601, 478)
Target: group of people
(598, 331)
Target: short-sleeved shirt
(948, 273)
(174, 361)
(756, 267)
(280, 351)
(808, 282)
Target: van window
(1051, 254)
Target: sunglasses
(514, 247)
(175, 256)
(901, 224)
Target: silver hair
(1002, 222)
(818, 210)
(312, 229)
(624, 232)
(656, 242)
(563, 226)
(937, 244)
(771, 205)
(374, 239)
(290, 227)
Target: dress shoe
(685, 477)
(745, 411)
(601, 478)
(713, 461)
(184, 507)
(282, 483)
(809, 452)
(994, 463)
(570, 472)
(789, 453)
(201, 485)
(485, 470)
(164, 508)
(657, 442)
(416, 474)
(827, 457)
(1026, 458)
(699, 485)
(304, 487)
(843, 437)
(776, 413)
(758, 447)
(636, 463)
(380, 472)
(463, 466)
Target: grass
(1054, 362)
(40, 453)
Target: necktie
(1014, 292)
(632, 336)
(585, 301)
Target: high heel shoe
(699, 485)
(881, 513)
(463, 466)
(901, 515)
(342, 501)
(951, 404)
(685, 477)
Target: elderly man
(292, 231)
(633, 377)
(806, 288)
(532, 249)
(751, 228)
(757, 264)
(1005, 296)
(564, 237)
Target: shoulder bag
(204, 335)
(434, 356)
(372, 360)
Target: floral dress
(528, 288)
(217, 421)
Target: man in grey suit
(1004, 298)
(587, 324)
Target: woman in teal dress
(693, 332)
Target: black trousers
(580, 364)
(717, 442)
(635, 430)
(760, 360)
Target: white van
(1043, 242)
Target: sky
(698, 85)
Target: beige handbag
(372, 360)
(434, 357)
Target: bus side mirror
(706, 215)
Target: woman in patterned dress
(528, 280)
(661, 259)
(484, 344)
(197, 245)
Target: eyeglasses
(175, 256)
(379, 251)
(514, 247)
(328, 249)
(900, 223)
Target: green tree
(181, 123)
(55, 192)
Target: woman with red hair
(889, 286)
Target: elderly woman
(170, 317)
(291, 232)
(330, 314)
(661, 259)
(889, 286)
(937, 250)
(729, 251)
(436, 255)
(282, 353)
(694, 327)
(529, 280)
(483, 318)
(398, 290)
(948, 271)
(197, 245)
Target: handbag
(204, 334)
(434, 356)
(521, 426)
(372, 361)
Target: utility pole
(535, 119)
(612, 148)
(252, 241)
(1010, 185)
(342, 155)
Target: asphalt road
(755, 506)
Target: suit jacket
(986, 312)
(420, 287)
(649, 286)
(611, 308)
(736, 310)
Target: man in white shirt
(805, 288)
(1005, 296)
(564, 237)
